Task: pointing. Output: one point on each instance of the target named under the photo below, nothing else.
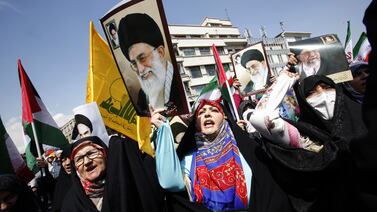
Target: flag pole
(232, 101)
(37, 146)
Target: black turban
(251, 54)
(81, 119)
(138, 28)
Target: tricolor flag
(11, 161)
(348, 44)
(37, 122)
(362, 49)
(105, 87)
(223, 82)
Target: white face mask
(324, 103)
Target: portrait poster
(252, 69)
(89, 116)
(323, 55)
(145, 56)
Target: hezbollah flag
(105, 86)
(11, 161)
(37, 121)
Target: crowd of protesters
(324, 161)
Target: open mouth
(90, 169)
(209, 123)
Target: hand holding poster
(251, 68)
(323, 55)
(145, 58)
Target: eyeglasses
(92, 154)
(141, 59)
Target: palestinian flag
(11, 160)
(35, 113)
(362, 49)
(223, 82)
(211, 91)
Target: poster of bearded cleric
(252, 68)
(145, 57)
(323, 55)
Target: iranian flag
(11, 160)
(348, 44)
(362, 49)
(39, 126)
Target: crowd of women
(325, 161)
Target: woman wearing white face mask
(312, 159)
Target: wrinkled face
(209, 120)
(90, 163)
(144, 59)
(66, 163)
(254, 66)
(309, 57)
(359, 82)
(7, 200)
(84, 131)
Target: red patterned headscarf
(204, 102)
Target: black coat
(131, 182)
(63, 184)
(323, 181)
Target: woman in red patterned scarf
(88, 160)
(218, 164)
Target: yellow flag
(105, 86)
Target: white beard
(154, 86)
(312, 67)
(259, 77)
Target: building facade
(192, 46)
(67, 129)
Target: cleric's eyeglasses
(141, 59)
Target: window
(205, 51)
(195, 71)
(220, 50)
(210, 70)
(188, 51)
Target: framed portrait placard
(252, 69)
(138, 36)
(323, 55)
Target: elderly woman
(88, 162)
(312, 157)
(218, 165)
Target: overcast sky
(52, 40)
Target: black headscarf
(26, 199)
(347, 121)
